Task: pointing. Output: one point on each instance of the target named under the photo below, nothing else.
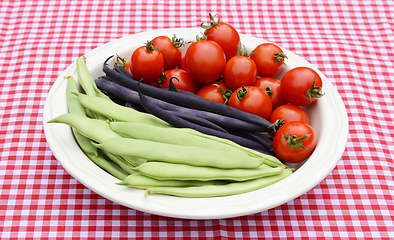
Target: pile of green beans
(144, 152)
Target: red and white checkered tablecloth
(351, 42)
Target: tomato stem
(279, 57)
(268, 90)
(277, 124)
(295, 142)
(177, 42)
(149, 46)
(212, 21)
(121, 62)
(242, 93)
(225, 93)
(314, 91)
(162, 78)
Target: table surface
(352, 43)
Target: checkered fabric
(351, 42)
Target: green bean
(168, 135)
(219, 190)
(120, 161)
(118, 112)
(75, 107)
(171, 171)
(90, 128)
(100, 161)
(191, 155)
(140, 181)
(86, 80)
(268, 159)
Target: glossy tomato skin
(146, 64)
(226, 36)
(171, 54)
(274, 87)
(289, 113)
(239, 71)
(255, 101)
(182, 81)
(181, 64)
(285, 152)
(205, 61)
(268, 60)
(213, 93)
(296, 83)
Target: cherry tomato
(289, 113)
(225, 35)
(239, 71)
(269, 59)
(181, 80)
(216, 91)
(301, 86)
(181, 64)
(253, 100)
(146, 63)
(169, 49)
(294, 142)
(272, 87)
(205, 61)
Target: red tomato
(181, 64)
(239, 71)
(301, 86)
(182, 81)
(273, 90)
(205, 61)
(216, 91)
(169, 49)
(289, 113)
(225, 35)
(269, 59)
(146, 63)
(253, 100)
(294, 142)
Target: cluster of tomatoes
(217, 68)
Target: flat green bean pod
(219, 190)
(173, 171)
(117, 112)
(137, 180)
(100, 161)
(269, 160)
(86, 80)
(169, 135)
(90, 128)
(197, 156)
(75, 107)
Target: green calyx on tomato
(314, 91)
(276, 125)
(279, 57)
(294, 142)
(226, 93)
(212, 21)
(242, 92)
(121, 62)
(198, 38)
(244, 52)
(177, 42)
(162, 78)
(149, 46)
(268, 90)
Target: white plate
(328, 117)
